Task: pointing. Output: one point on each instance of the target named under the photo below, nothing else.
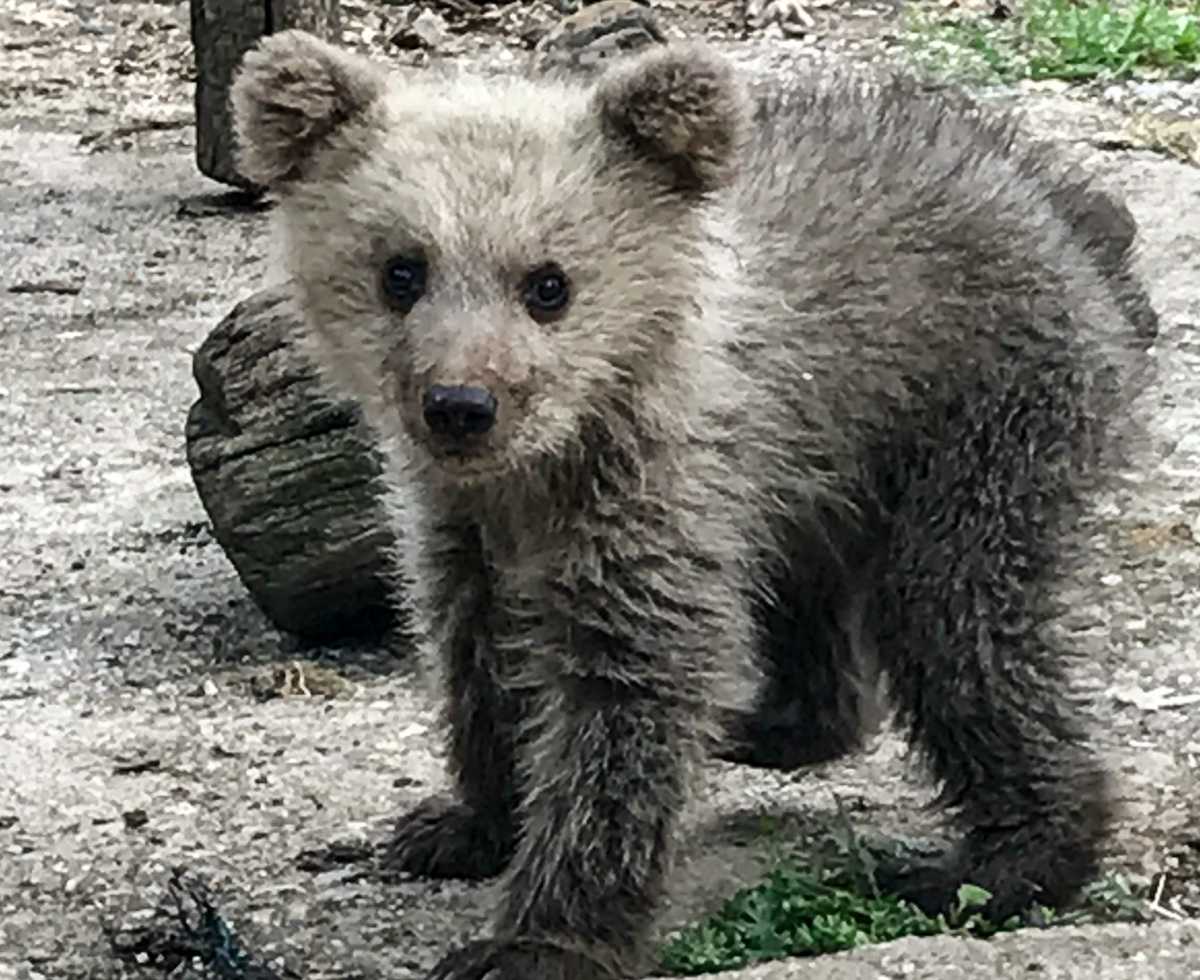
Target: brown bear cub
(676, 374)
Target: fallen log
(289, 476)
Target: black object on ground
(187, 928)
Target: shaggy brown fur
(831, 369)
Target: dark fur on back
(835, 366)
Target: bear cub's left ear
(682, 110)
(292, 93)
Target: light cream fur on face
(487, 183)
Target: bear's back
(900, 243)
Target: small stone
(588, 40)
(428, 31)
(135, 819)
(58, 287)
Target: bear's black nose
(459, 410)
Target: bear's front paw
(517, 960)
(444, 839)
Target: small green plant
(792, 913)
(798, 912)
(1113, 898)
(1064, 39)
(1073, 41)
(820, 895)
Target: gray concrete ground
(133, 731)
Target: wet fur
(837, 363)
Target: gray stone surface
(150, 715)
(1165, 951)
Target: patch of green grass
(798, 911)
(793, 913)
(1113, 898)
(1060, 39)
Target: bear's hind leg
(985, 697)
(820, 699)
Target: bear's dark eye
(546, 292)
(404, 280)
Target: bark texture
(288, 476)
(222, 31)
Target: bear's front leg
(621, 661)
(606, 781)
(471, 836)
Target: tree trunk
(289, 477)
(222, 31)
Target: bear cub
(677, 374)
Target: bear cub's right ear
(291, 94)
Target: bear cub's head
(493, 266)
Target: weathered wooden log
(289, 477)
(223, 31)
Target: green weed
(1060, 39)
(798, 911)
